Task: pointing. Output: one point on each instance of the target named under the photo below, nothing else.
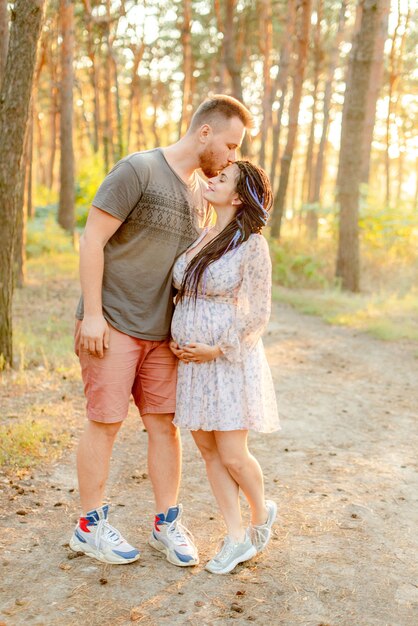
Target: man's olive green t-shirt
(161, 216)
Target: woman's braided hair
(254, 191)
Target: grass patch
(26, 443)
(385, 316)
(44, 312)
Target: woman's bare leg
(224, 487)
(244, 469)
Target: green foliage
(43, 196)
(90, 174)
(45, 236)
(294, 266)
(394, 228)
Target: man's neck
(182, 158)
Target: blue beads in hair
(253, 194)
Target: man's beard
(207, 164)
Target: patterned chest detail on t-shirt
(164, 216)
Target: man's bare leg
(164, 466)
(93, 535)
(93, 459)
(164, 459)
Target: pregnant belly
(204, 323)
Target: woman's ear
(236, 201)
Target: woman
(224, 383)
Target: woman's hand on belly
(200, 353)
(175, 349)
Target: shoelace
(260, 534)
(179, 533)
(225, 551)
(106, 531)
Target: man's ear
(205, 132)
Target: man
(147, 211)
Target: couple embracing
(148, 236)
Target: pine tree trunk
(66, 200)
(4, 37)
(219, 67)
(352, 130)
(308, 178)
(266, 37)
(107, 122)
(29, 172)
(186, 41)
(14, 111)
(326, 108)
(375, 85)
(307, 185)
(395, 73)
(22, 214)
(230, 49)
(119, 134)
(134, 97)
(53, 116)
(303, 38)
(281, 85)
(94, 79)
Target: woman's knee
(207, 448)
(234, 463)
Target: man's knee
(102, 430)
(161, 426)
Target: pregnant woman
(224, 384)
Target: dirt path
(343, 471)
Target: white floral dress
(234, 391)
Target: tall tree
(352, 145)
(280, 84)
(135, 97)
(66, 200)
(266, 40)
(375, 86)
(4, 36)
(395, 72)
(232, 50)
(186, 42)
(308, 186)
(303, 38)
(326, 107)
(14, 110)
(53, 113)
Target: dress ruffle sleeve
(253, 301)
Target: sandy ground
(343, 471)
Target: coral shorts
(145, 369)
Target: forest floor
(342, 469)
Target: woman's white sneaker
(230, 555)
(94, 536)
(261, 534)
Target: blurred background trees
(336, 115)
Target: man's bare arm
(100, 227)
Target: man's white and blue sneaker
(94, 536)
(171, 537)
(261, 534)
(231, 554)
